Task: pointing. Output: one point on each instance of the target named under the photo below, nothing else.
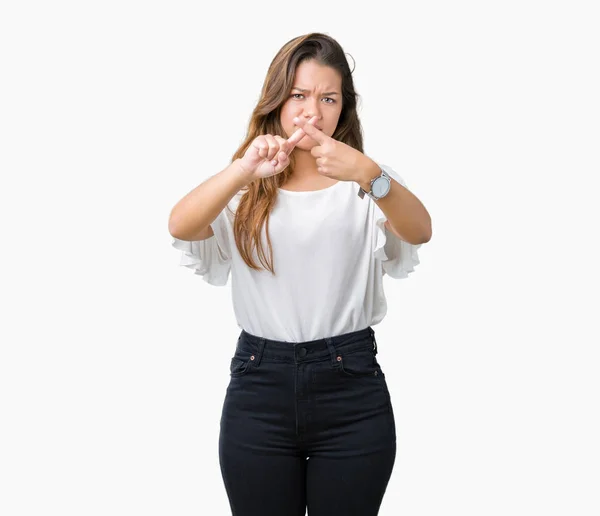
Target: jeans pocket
(359, 363)
(241, 363)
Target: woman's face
(322, 97)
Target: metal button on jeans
(302, 352)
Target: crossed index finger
(300, 133)
(309, 128)
(295, 138)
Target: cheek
(287, 113)
(306, 143)
(286, 120)
(289, 128)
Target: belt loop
(259, 351)
(332, 350)
(374, 340)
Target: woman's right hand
(268, 154)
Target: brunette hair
(259, 198)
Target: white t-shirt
(330, 253)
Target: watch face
(380, 187)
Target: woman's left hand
(335, 159)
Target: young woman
(307, 418)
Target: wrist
(244, 175)
(369, 172)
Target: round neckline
(304, 192)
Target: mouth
(317, 126)
(307, 136)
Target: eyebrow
(304, 91)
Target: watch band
(384, 177)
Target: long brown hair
(256, 204)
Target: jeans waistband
(309, 350)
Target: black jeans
(307, 425)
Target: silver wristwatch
(380, 187)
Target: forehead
(311, 75)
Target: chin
(306, 146)
(308, 142)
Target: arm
(191, 217)
(407, 217)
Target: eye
(329, 98)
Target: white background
(114, 359)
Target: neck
(306, 165)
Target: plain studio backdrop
(114, 359)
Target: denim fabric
(307, 425)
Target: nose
(317, 124)
(313, 110)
